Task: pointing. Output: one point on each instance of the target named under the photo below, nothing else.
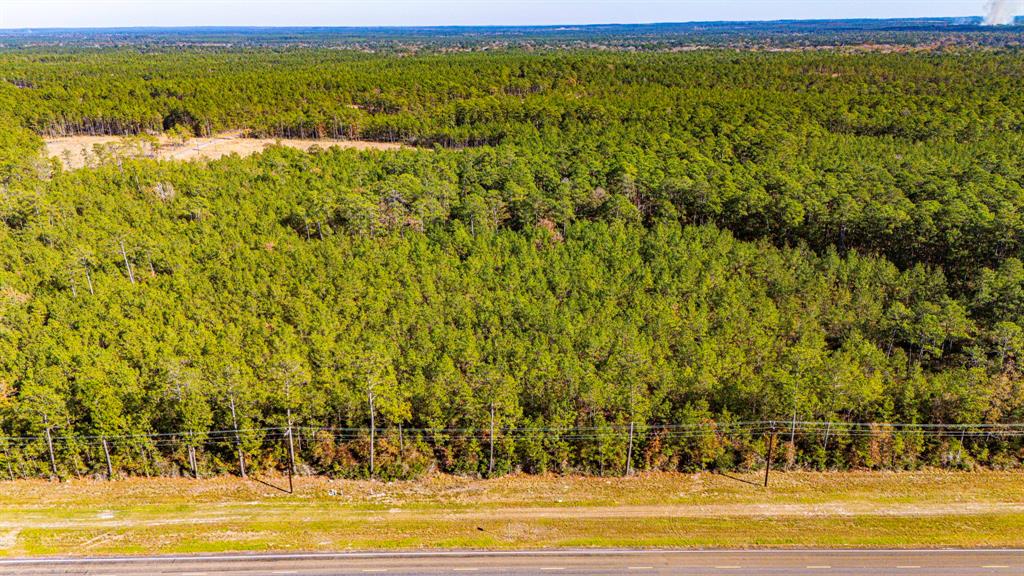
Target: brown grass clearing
(80, 151)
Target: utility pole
(106, 453)
(629, 452)
(490, 467)
(238, 439)
(401, 445)
(290, 435)
(49, 445)
(192, 455)
(7, 458)
(373, 433)
(768, 459)
(291, 447)
(632, 417)
(960, 448)
(792, 440)
(291, 456)
(145, 460)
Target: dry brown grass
(927, 488)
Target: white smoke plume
(1001, 12)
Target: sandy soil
(79, 151)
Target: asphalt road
(708, 562)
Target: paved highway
(706, 562)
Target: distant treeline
(593, 242)
(903, 32)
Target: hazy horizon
(99, 14)
(467, 26)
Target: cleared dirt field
(922, 509)
(79, 151)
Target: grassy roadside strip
(920, 509)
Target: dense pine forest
(585, 261)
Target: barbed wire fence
(606, 450)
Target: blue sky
(98, 13)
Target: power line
(856, 429)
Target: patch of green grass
(869, 531)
